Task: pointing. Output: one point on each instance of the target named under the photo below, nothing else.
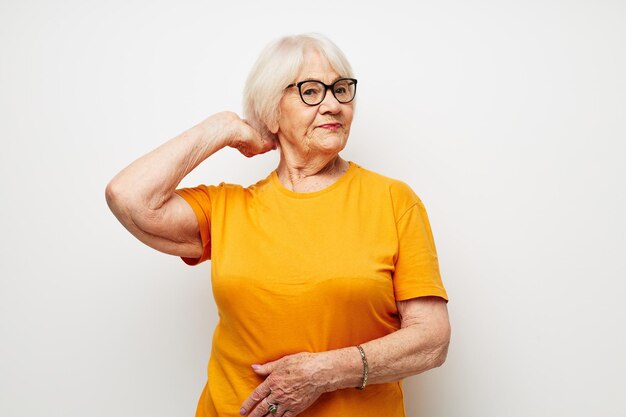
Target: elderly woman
(325, 274)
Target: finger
(270, 144)
(283, 412)
(265, 145)
(254, 144)
(257, 135)
(257, 395)
(266, 368)
(262, 409)
(260, 370)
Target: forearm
(408, 351)
(299, 379)
(151, 180)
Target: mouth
(330, 126)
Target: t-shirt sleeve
(199, 198)
(416, 271)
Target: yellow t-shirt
(294, 272)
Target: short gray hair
(277, 66)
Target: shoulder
(399, 192)
(228, 190)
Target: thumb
(264, 369)
(267, 144)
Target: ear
(272, 126)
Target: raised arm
(142, 195)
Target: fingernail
(242, 411)
(256, 367)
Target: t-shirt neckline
(345, 177)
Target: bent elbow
(119, 202)
(117, 197)
(441, 356)
(438, 343)
(443, 343)
(111, 194)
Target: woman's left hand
(292, 382)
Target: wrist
(215, 131)
(344, 369)
(365, 367)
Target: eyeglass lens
(313, 92)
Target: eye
(311, 89)
(343, 88)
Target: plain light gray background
(507, 118)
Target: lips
(331, 126)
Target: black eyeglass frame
(326, 88)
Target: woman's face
(323, 128)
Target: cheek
(294, 117)
(349, 113)
(306, 123)
(348, 120)
(301, 119)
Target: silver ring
(272, 408)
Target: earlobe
(273, 126)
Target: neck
(310, 174)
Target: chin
(332, 143)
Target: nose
(329, 105)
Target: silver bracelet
(366, 368)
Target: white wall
(507, 118)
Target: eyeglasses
(313, 92)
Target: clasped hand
(293, 383)
(237, 133)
